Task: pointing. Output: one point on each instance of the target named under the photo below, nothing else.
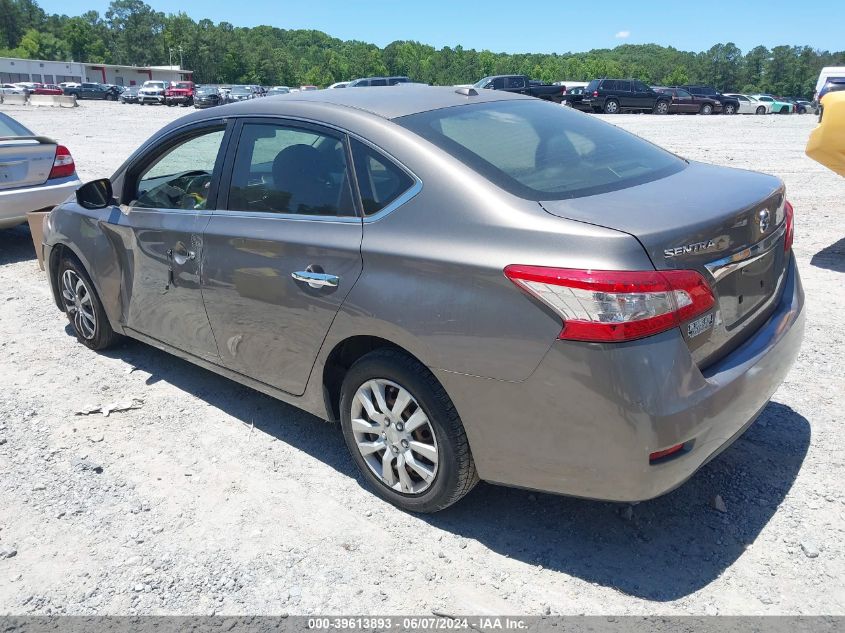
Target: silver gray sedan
(478, 285)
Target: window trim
(304, 124)
(132, 173)
(295, 121)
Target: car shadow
(662, 550)
(831, 257)
(16, 245)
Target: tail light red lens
(789, 236)
(614, 306)
(595, 93)
(63, 165)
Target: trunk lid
(727, 224)
(25, 161)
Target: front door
(283, 249)
(165, 207)
(686, 102)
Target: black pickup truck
(523, 85)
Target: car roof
(388, 102)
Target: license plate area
(743, 291)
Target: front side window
(683, 94)
(180, 178)
(290, 170)
(641, 87)
(380, 180)
(624, 86)
(541, 152)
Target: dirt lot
(213, 498)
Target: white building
(41, 71)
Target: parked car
(684, 102)
(729, 104)
(225, 94)
(750, 105)
(179, 93)
(91, 90)
(153, 92)
(207, 97)
(130, 95)
(339, 84)
(778, 106)
(69, 84)
(805, 107)
(11, 89)
(35, 172)
(47, 89)
(307, 88)
(828, 74)
(599, 280)
(574, 98)
(834, 85)
(365, 82)
(827, 141)
(612, 96)
(278, 90)
(242, 93)
(521, 84)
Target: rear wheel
(611, 106)
(404, 432)
(706, 109)
(83, 307)
(661, 107)
(729, 108)
(761, 109)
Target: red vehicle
(180, 92)
(47, 89)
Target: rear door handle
(316, 280)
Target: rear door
(643, 95)
(625, 90)
(283, 249)
(158, 237)
(686, 102)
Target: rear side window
(610, 84)
(539, 151)
(515, 83)
(592, 86)
(380, 180)
(282, 169)
(378, 82)
(625, 86)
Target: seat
(302, 181)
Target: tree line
(132, 32)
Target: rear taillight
(789, 235)
(63, 165)
(607, 305)
(595, 93)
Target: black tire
(661, 107)
(455, 475)
(761, 109)
(102, 336)
(785, 110)
(611, 106)
(706, 109)
(729, 108)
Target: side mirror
(96, 194)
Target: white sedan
(35, 172)
(750, 105)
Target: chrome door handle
(316, 280)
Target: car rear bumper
(585, 422)
(16, 203)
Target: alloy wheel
(394, 436)
(77, 299)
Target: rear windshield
(540, 151)
(10, 127)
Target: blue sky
(541, 26)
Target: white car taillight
(63, 164)
(606, 306)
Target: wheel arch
(342, 356)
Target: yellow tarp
(827, 141)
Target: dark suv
(730, 105)
(615, 95)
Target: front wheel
(83, 307)
(706, 109)
(761, 109)
(404, 433)
(661, 107)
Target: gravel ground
(213, 498)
